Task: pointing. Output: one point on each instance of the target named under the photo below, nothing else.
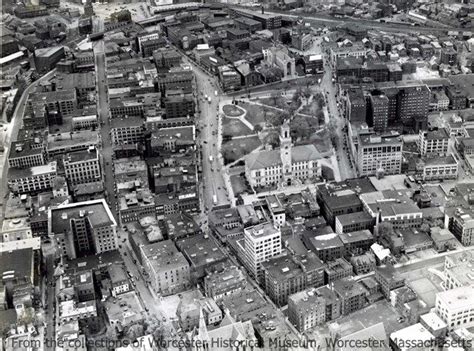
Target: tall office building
(379, 106)
(379, 154)
(82, 166)
(260, 243)
(83, 228)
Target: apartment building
(306, 309)
(82, 166)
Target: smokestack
(377, 222)
(263, 10)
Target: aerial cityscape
(237, 175)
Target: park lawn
(234, 127)
(255, 113)
(232, 110)
(234, 149)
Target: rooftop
(97, 212)
(201, 250)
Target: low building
(119, 282)
(352, 222)
(136, 205)
(443, 239)
(440, 168)
(415, 334)
(229, 281)
(364, 264)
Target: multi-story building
(82, 166)
(392, 206)
(248, 24)
(219, 284)
(413, 102)
(26, 153)
(229, 78)
(328, 247)
(287, 275)
(440, 168)
(433, 142)
(379, 106)
(389, 279)
(356, 105)
(131, 170)
(284, 165)
(352, 222)
(182, 79)
(119, 282)
(356, 243)
(127, 130)
(306, 309)
(83, 228)
(268, 21)
(379, 154)
(136, 205)
(178, 104)
(336, 199)
(46, 58)
(351, 51)
(461, 224)
(351, 294)
(457, 270)
(260, 243)
(62, 101)
(337, 269)
(456, 307)
(33, 180)
(168, 269)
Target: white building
(33, 180)
(82, 166)
(440, 168)
(261, 242)
(283, 165)
(379, 154)
(434, 142)
(456, 307)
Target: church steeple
(285, 151)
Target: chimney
(263, 10)
(377, 223)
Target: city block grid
(237, 175)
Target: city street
(103, 114)
(329, 91)
(208, 124)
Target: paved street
(338, 121)
(103, 113)
(208, 124)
